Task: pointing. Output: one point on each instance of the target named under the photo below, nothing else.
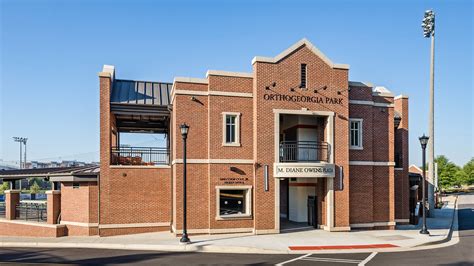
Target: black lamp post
(423, 141)
(184, 134)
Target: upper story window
(231, 129)
(355, 133)
(303, 76)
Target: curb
(451, 228)
(232, 249)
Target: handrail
(304, 151)
(139, 156)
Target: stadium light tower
(21, 141)
(428, 26)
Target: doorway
(298, 205)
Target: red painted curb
(343, 247)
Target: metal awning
(140, 93)
(57, 174)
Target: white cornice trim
(371, 103)
(371, 163)
(296, 46)
(212, 93)
(401, 96)
(303, 112)
(190, 80)
(215, 161)
(402, 220)
(228, 74)
(80, 224)
(231, 94)
(360, 84)
(136, 225)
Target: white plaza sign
(308, 170)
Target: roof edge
(191, 80)
(228, 74)
(296, 46)
(401, 96)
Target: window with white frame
(231, 129)
(233, 201)
(355, 133)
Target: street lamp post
(428, 26)
(184, 133)
(423, 141)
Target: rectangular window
(75, 185)
(233, 201)
(231, 129)
(303, 76)
(355, 133)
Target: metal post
(24, 161)
(424, 230)
(21, 155)
(431, 152)
(184, 237)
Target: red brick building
(292, 143)
(261, 145)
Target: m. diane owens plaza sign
(303, 170)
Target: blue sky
(51, 52)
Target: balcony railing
(147, 156)
(304, 151)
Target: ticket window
(233, 202)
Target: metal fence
(304, 151)
(2, 209)
(31, 211)
(140, 156)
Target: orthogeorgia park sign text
(303, 170)
(302, 98)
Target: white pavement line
(331, 260)
(295, 259)
(370, 257)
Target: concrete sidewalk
(314, 241)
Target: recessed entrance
(299, 208)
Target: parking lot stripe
(370, 257)
(295, 259)
(343, 247)
(331, 260)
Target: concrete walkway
(314, 241)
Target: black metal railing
(304, 151)
(31, 211)
(2, 209)
(140, 156)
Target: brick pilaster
(12, 198)
(53, 205)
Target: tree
(468, 168)
(447, 171)
(35, 188)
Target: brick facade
(367, 191)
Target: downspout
(98, 205)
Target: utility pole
(428, 26)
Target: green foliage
(468, 168)
(35, 188)
(450, 175)
(4, 186)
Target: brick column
(53, 205)
(12, 198)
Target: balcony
(140, 156)
(304, 151)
